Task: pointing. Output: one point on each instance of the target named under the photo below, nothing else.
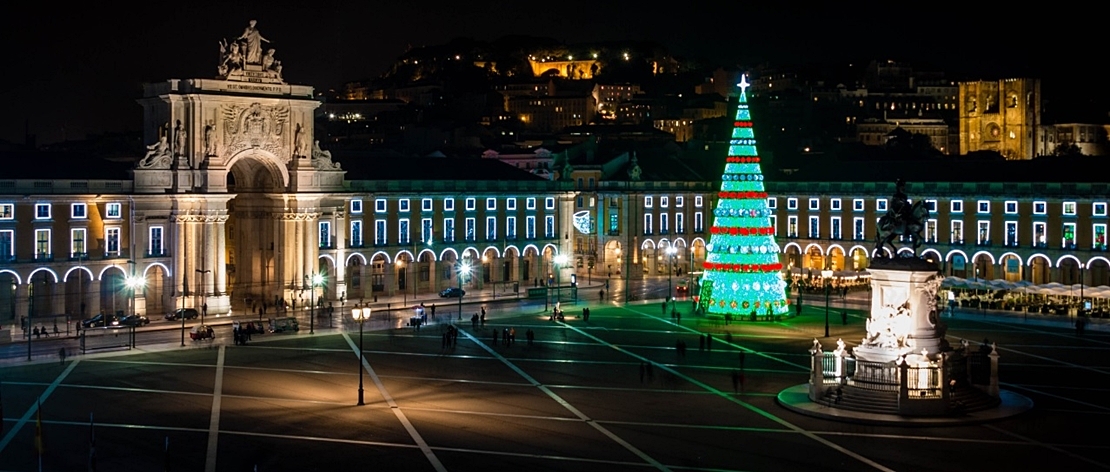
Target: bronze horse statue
(909, 220)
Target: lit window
(880, 204)
(1011, 236)
(1040, 234)
(857, 204)
(1011, 207)
(1099, 240)
(1040, 208)
(530, 203)
(772, 203)
(448, 204)
(426, 204)
(814, 227)
(663, 202)
(155, 246)
(114, 210)
(834, 204)
(42, 243)
(957, 206)
(791, 203)
(1069, 208)
(7, 211)
(678, 201)
(647, 202)
(356, 233)
(356, 206)
(111, 243)
(403, 231)
(449, 230)
(957, 232)
(1069, 236)
(325, 234)
(7, 244)
(984, 206)
(403, 204)
(857, 229)
(792, 226)
(379, 205)
(814, 204)
(984, 234)
(1098, 209)
(491, 228)
(77, 238)
(42, 211)
(79, 211)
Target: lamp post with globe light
(671, 251)
(463, 269)
(360, 315)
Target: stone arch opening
(1069, 272)
(1099, 270)
(983, 267)
(1039, 270)
(257, 179)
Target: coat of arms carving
(255, 127)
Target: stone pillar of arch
(390, 278)
(179, 257)
(221, 256)
(433, 276)
(23, 301)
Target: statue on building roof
(253, 41)
(634, 172)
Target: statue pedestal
(903, 311)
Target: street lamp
(317, 280)
(404, 291)
(827, 275)
(671, 251)
(559, 261)
(464, 268)
(204, 294)
(360, 315)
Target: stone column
(209, 283)
(434, 277)
(179, 256)
(221, 256)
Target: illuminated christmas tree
(742, 269)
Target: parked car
(134, 320)
(189, 314)
(452, 292)
(201, 332)
(98, 320)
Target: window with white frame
(381, 234)
(510, 227)
(679, 224)
(957, 206)
(425, 204)
(772, 203)
(403, 235)
(79, 211)
(1040, 208)
(1040, 234)
(77, 242)
(1010, 207)
(699, 223)
(664, 227)
(549, 203)
(530, 227)
(1068, 208)
(549, 226)
(356, 206)
(113, 210)
(931, 205)
(111, 240)
(791, 203)
(491, 228)
(42, 211)
(380, 205)
(792, 226)
(448, 230)
(815, 204)
(858, 229)
(957, 232)
(1069, 236)
(7, 244)
(679, 200)
(697, 201)
(1098, 209)
(471, 204)
(814, 227)
(880, 204)
(403, 204)
(356, 233)
(857, 204)
(448, 204)
(155, 246)
(983, 235)
(510, 204)
(1098, 240)
(664, 202)
(931, 231)
(648, 201)
(834, 227)
(530, 203)
(491, 203)
(42, 243)
(647, 223)
(834, 204)
(325, 234)
(1011, 233)
(426, 231)
(470, 229)
(7, 212)
(984, 206)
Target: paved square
(580, 398)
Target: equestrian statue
(902, 219)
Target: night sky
(77, 69)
